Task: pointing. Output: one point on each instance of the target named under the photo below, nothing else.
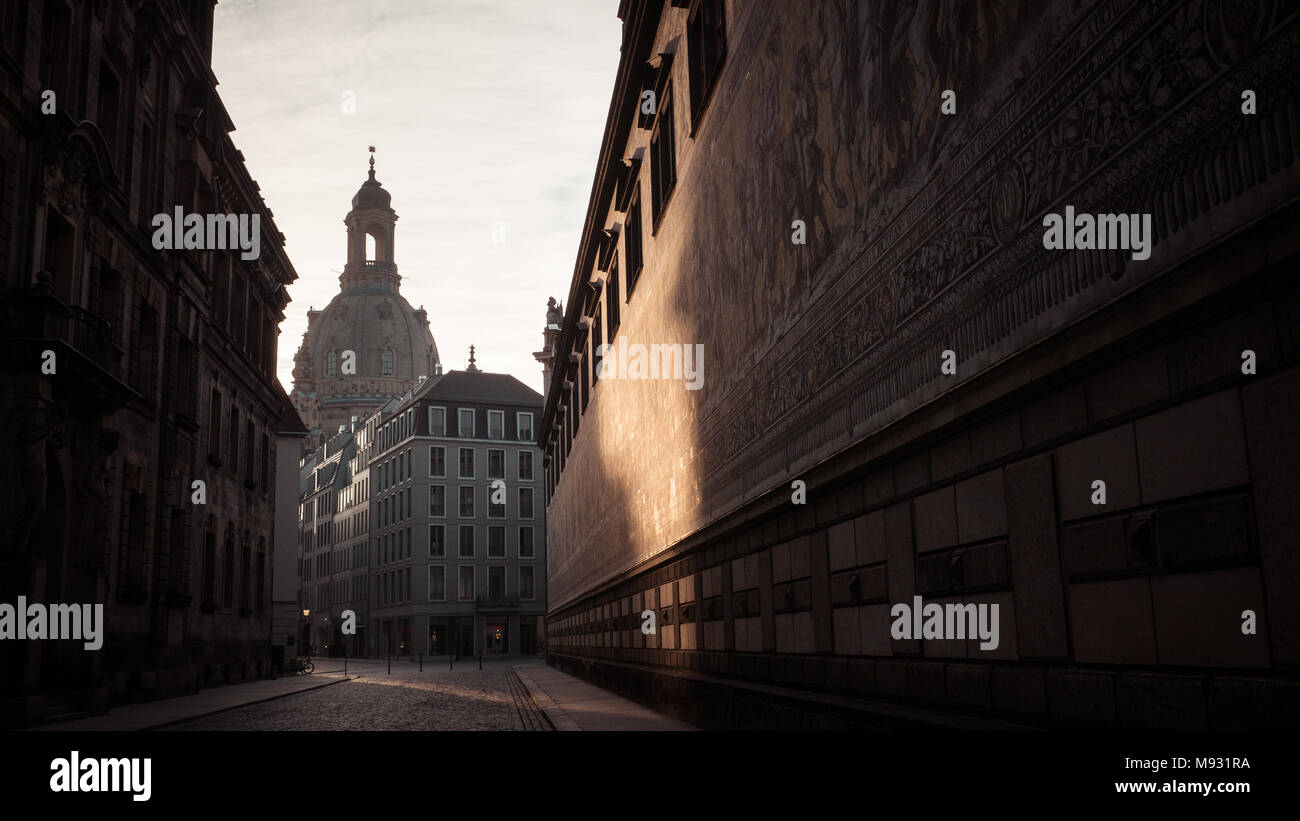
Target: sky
(486, 117)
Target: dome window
(388, 362)
(331, 363)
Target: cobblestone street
(436, 699)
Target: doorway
(496, 638)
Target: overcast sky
(480, 111)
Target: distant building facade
(326, 478)
(906, 394)
(425, 520)
(143, 474)
(368, 345)
(458, 547)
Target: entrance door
(467, 640)
(497, 637)
(437, 640)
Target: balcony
(33, 320)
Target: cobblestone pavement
(436, 699)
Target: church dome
(368, 345)
(372, 195)
(390, 339)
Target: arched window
(331, 363)
(388, 362)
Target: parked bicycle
(302, 666)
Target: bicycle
(302, 666)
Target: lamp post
(306, 630)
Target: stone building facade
(400, 523)
(457, 520)
(161, 362)
(326, 478)
(799, 204)
(368, 345)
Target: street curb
(554, 713)
(176, 721)
(55, 728)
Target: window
(437, 583)
(437, 541)
(613, 301)
(437, 421)
(465, 417)
(496, 542)
(388, 362)
(437, 461)
(584, 381)
(467, 463)
(526, 587)
(228, 569)
(525, 465)
(496, 464)
(266, 462)
(526, 542)
(214, 424)
(466, 502)
(55, 52)
(437, 500)
(331, 363)
(663, 158)
(497, 581)
(597, 339)
(633, 242)
(707, 46)
(525, 503)
(110, 98)
(496, 424)
(246, 580)
(524, 424)
(497, 500)
(467, 541)
(466, 582)
(232, 450)
(210, 567)
(144, 350)
(250, 440)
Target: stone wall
(925, 235)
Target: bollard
(421, 661)
(345, 661)
(390, 664)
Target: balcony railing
(35, 313)
(89, 335)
